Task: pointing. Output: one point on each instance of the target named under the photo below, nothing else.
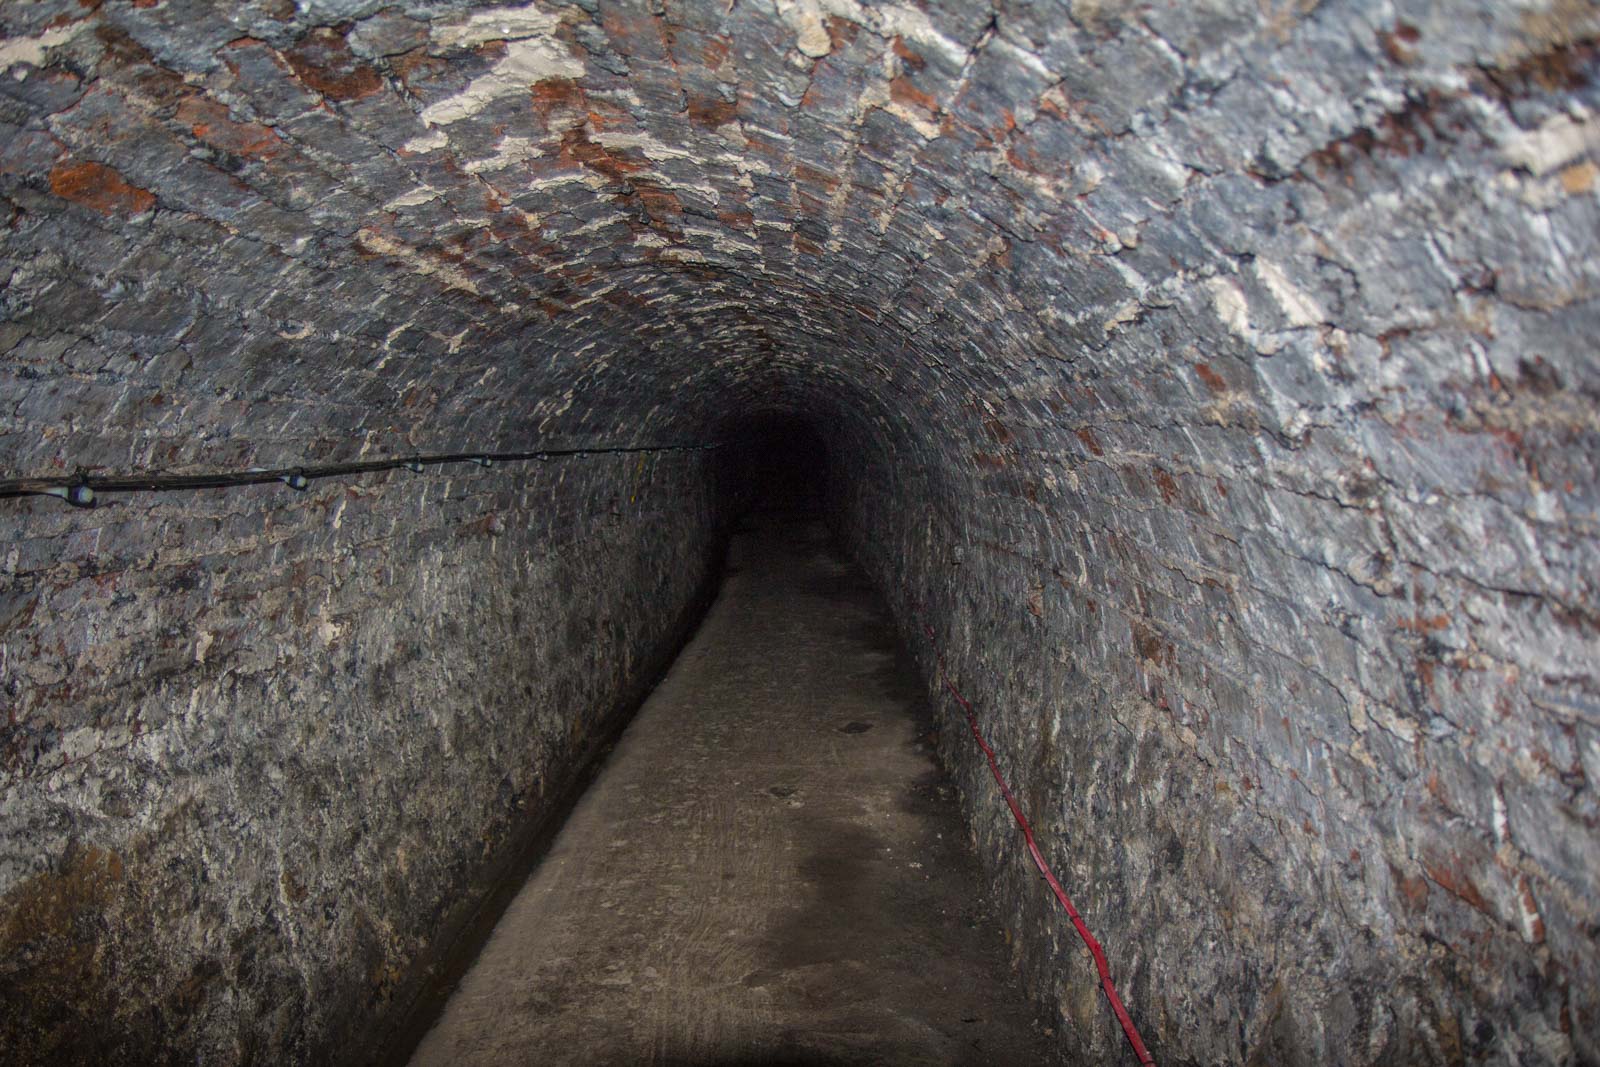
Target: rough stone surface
(1216, 379)
(261, 753)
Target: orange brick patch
(97, 186)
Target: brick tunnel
(1208, 392)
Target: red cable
(1095, 950)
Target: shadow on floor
(770, 870)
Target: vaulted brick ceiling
(358, 219)
(1219, 377)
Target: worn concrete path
(769, 869)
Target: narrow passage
(769, 869)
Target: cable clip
(78, 494)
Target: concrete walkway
(769, 869)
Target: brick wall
(264, 748)
(1217, 379)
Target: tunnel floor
(770, 867)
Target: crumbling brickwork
(1216, 380)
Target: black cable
(82, 489)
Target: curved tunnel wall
(265, 755)
(1217, 380)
